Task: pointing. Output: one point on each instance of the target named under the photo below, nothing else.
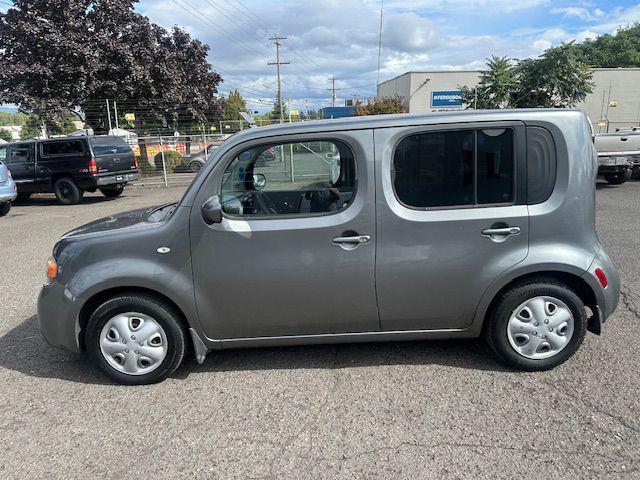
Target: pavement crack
(631, 300)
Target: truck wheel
(4, 208)
(536, 325)
(112, 192)
(23, 196)
(67, 192)
(618, 178)
(136, 339)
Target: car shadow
(23, 349)
(39, 201)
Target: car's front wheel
(536, 325)
(4, 208)
(195, 166)
(136, 339)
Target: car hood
(113, 222)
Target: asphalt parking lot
(398, 410)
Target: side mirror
(259, 181)
(211, 210)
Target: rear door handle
(501, 231)
(355, 240)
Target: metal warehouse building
(614, 103)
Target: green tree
(382, 106)
(494, 87)
(557, 79)
(5, 135)
(32, 128)
(274, 115)
(621, 49)
(233, 106)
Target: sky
(340, 38)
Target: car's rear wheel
(536, 325)
(618, 178)
(195, 167)
(4, 208)
(136, 339)
(112, 192)
(67, 192)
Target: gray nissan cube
(402, 227)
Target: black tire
(67, 192)
(23, 197)
(498, 318)
(112, 192)
(4, 208)
(195, 167)
(618, 178)
(162, 312)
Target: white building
(615, 99)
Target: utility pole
(277, 63)
(333, 90)
(115, 110)
(109, 115)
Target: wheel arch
(102, 296)
(573, 280)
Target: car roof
(400, 120)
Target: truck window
(64, 147)
(21, 153)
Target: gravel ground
(405, 410)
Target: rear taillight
(135, 162)
(602, 278)
(93, 166)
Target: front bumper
(58, 316)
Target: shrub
(171, 159)
(145, 168)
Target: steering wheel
(265, 203)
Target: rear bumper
(117, 178)
(8, 193)
(607, 298)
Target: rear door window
(62, 148)
(455, 168)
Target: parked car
(449, 225)
(618, 155)
(70, 166)
(195, 161)
(8, 191)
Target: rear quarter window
(541, 165)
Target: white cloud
(340, 37)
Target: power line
(333, 90)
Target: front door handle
(354, 240)
(488, 232)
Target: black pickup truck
(70, 166)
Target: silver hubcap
(133, 343)
(540, 327)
